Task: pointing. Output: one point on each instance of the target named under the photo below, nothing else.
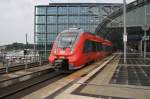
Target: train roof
(81, 31)
(107, 42)
(75, 30)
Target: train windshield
(67, 40)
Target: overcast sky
(16, 18)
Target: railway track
(21, 67)
(10, 90)
(16, 89)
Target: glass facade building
(56, 17)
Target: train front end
(63, 50)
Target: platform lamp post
(145, 28)
(141, 46)
(125, 32)
(35, 50)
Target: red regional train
(74, 48)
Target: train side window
(99, 46)
(86, 45)
(104, 48)
(96, 46)
(90, 46)
(107, 48)
(93, 46)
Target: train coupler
(58, 63)
(61, 64)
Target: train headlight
(55, 52)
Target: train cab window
(66, 40)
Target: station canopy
(138, 19)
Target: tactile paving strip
(100, 96)
(110, 97)
(137, 61)
(132, 75)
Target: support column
(141, 50)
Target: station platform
(22, 75)
(109, 79)
(119, 81)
